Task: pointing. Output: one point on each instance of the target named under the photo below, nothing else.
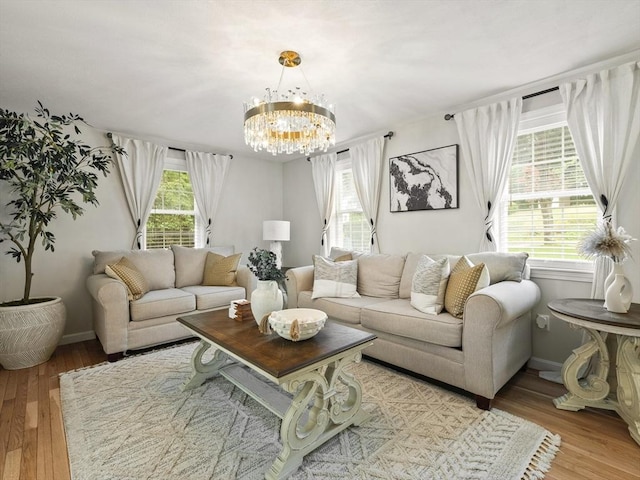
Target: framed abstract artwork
(426, 180)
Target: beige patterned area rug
(129, 420)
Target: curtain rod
(173, 148)
(449, 116)
(388, 135)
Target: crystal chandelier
(291, 121)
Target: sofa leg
(114, 357)
(483, 403)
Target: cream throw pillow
(220, 270)
(463, 281)
(334, 279)
(125, 271)
(429, 285)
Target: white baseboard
(77, 337)
(544, 365)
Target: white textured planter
(265, 299)
(30, 333)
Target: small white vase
(265, 299)
(616, 270)
(617, 297)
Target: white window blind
(349, 227)
(548, 206)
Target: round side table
(614, 347)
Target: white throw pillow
(429, 285)
(334, 279)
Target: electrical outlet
(542, 321)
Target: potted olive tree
(267, 297)
(44, 169)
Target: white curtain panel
(488, 136)
(603, 113)
(323, 169)
(141, 173)
(207, 172)
(366, 164)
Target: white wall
(451, 231)
(252, 193)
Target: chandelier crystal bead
(289, 122)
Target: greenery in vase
(262, 264)
(47, 169)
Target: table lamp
(276, 231)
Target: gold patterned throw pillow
(220, 270)
(125, 271)
(462, 283)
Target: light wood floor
(595, 443)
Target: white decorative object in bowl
(297, 323)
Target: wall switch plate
(543, 321)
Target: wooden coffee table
(325, 399)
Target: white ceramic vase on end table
(265, 299)
(617, 291)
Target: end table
(614, 383)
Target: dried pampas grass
(605, 241)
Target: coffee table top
(271, 353)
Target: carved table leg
(318, 412)
(628, 372)
(594, 390)
(203, 371)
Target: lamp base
(276, 247)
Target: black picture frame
(426, 180)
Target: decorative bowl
(308, 322)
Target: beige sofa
(174, 277)
(479, 352)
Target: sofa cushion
(126, 272)
(346, 310)
(502, 266)
(334, 279)
(337, 253)
(156, 265)
(409, 270)
(463, 281)
(398, 317)
(379, 275)
(430, 285)
(220, 270)
(160, 303)
(215, 296)
(189, 263)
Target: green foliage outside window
(172, 220)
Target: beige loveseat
(479, 352)
(175, 280)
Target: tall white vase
(265, 299)
(618, 291)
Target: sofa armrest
(110, 312)
(505, 300)
(298, 279)
(496, 334)
(246, 279)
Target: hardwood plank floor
(595, 443)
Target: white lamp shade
(275, 230)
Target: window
(548, 206)
(173, 218)
(349, 227)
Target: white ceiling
(178, 71)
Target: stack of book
(240, 310)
